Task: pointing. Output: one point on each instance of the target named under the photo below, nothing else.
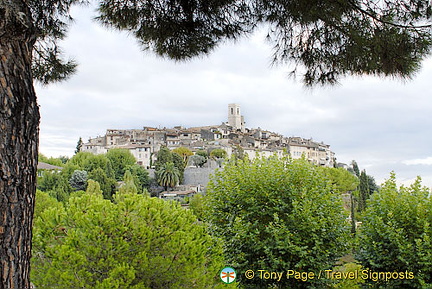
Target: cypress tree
(364, 191)
(79, 145)
(355, 168)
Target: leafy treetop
(276, 214)
(396, 234)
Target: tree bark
(19, 132)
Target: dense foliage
(106, 169)
(185, 153)
(367, 187)
(396, 235)
(120, 160)
(133, 242)
(78, 180)
(342, 181)
(218, 154)
(271, 214)
(197, 160)
(277, 214)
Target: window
(232, 110)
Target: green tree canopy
(101, 161)
(128, 185)
(342, 180)
(120, 160)
(81, 159)
(133, 242)
(184, 152)
(52, 161)
(275, 214)
(364, 191)
(165, 156)
(355, 168)
(48, 181)
(78, 180)
(179, 164)
(45, 201)
(107, 185)
(396, 235)
(197, 160)
(202, 153)
(79, 145)
(98, 168)
(196, 205)
(218, 154)
(141, 177)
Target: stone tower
(235, 119)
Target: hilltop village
(145, 143)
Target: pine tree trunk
(19, 122)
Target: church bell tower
(235, 119)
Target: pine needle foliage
(133, 242)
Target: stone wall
(197, 176)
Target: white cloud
(424, 161)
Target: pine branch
(380, 20)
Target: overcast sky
(383, 124)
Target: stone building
(146, 142)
